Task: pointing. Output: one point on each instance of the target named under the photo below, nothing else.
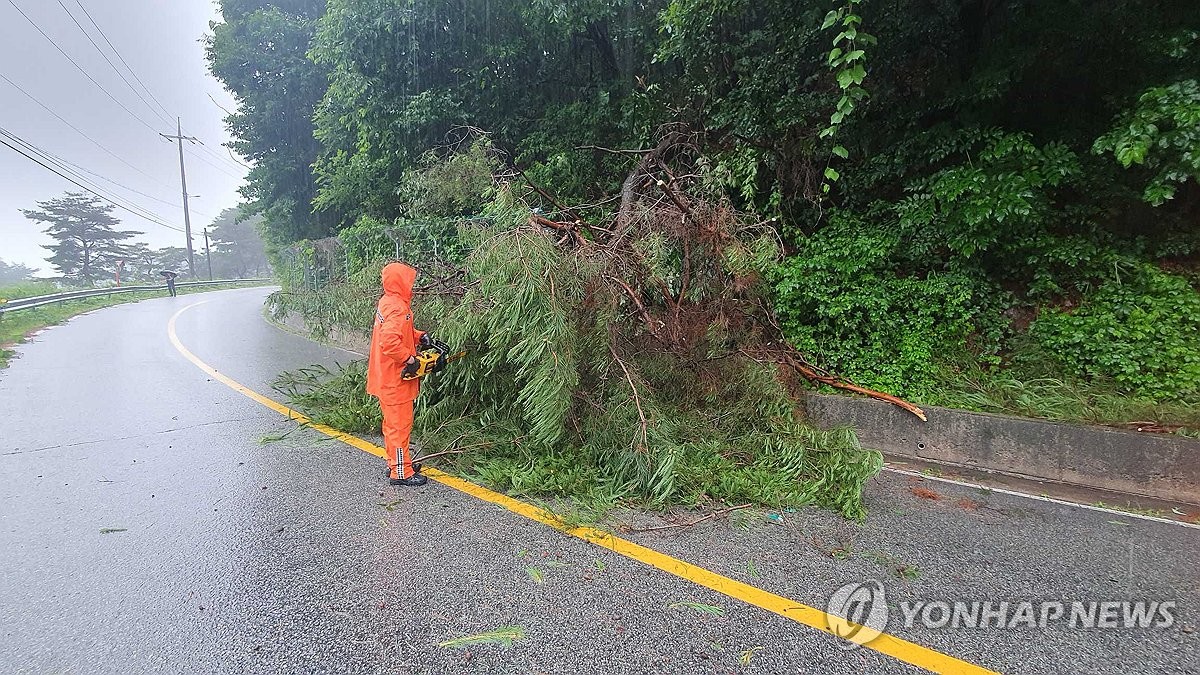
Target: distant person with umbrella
(170, 281)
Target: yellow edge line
(905, 651)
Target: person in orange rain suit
(394, 344)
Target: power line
(80, 68)
(74, 177)
(145, 214)
(78, 131)
(122, 60)
(166, 115)
(108, 60)
(216, 155)
(106, 179)
(218, 167)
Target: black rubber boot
(412, 481)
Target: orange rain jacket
(393, 340)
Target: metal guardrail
(41, 300)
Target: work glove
(425, 342)
(410, 367)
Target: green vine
(848, 61)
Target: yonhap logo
(858, 612)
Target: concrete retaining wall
(1153, 465)
(344, 339)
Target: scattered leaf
(535, 574)
(747, 655)
(752, 569)
(699, 607)
(501, 636)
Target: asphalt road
(145, 527)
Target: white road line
(1040, 498)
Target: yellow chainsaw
(432, 356)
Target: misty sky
(159, 39)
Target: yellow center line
(900, 649)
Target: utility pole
(207, 255)
(187, 219)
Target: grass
(28, 289)
(1136, 510)
(16, 327)
(1049, 396)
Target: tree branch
(697, 521)
(637, 401)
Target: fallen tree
(636, 359)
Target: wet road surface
(145, 526)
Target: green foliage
(542, 77)
(347, 305)
(560, 413)
(456, 184)
(545, 404)
(927, 222)
(336, 398)
(27, 289)
(846, 301)
(1142, 333)
(1002, 197)
(259, 52)
(848, 61)
(1162, 132)
(238, 251)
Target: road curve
(145, 527)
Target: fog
(125, 157)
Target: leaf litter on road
(748, 654)
(699, 607)
(506, 636)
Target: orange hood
(398, 280)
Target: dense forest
(983, 203)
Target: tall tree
(14, 272)
(170, 258)
(88, 247)
(542, 77)
(237, 245)
(260, 53)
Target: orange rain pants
(397, 429)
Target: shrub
(1143, 332)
